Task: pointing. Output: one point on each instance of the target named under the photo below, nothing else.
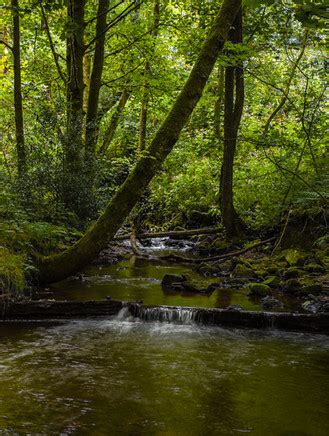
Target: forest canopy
(86, 89)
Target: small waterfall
(165, 314)
(124, 313)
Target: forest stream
(122, 375)
(139, 279)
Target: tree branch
(52, 47)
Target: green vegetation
(169, 114)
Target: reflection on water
(117, 376)
(140, 279)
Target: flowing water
(137, 279)
(123, 375)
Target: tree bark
(18, 104)
(232, 116)
(73, 195)
(60, 266)
(92, 124)
(219, 103)
(110, 131)
(146, 88)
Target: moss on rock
(258, 289)
(292, 286)
(272, 282)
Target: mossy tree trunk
(219, 104)
(72, 192)
(233, 107)
(60, 266)
(18, 104)
(147, 73)
(92, 122)
(114, 122)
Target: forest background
(85, 86)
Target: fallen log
(171, 233)
(63, 310)
(221, 257)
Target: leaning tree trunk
(72, 193)
(146, 89)
(19, 121)
(233, 106)
(60, 266)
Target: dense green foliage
(281, 161)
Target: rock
(233, 282)
(269, 302)
(234, 308)
(243, 271)
(170, 279)
(195, 288)
(207, 270)
(174, 243)
(220, 244)
(272, 282)
(314, 289)
(292, 273)
(225, 266)
(295, 257)
(314, 268)
(258, 289)
(217, 285)
(292, 286)
(181, 283)
(318, 305)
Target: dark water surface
(123, 376)
(104, 377)
(139, 279)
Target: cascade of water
(124, 313)
(166, 314)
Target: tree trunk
(146, 89)
(92, 124)
(73, 195)
(60, 266)
(19, 121)
(219, 103)
(110, 131)
(232, 117)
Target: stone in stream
(245, 271)
(272, 282)
(317, 305)
(181, 283)
(170, 279)
(269, 302)
(234, 308)
(258, 289)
